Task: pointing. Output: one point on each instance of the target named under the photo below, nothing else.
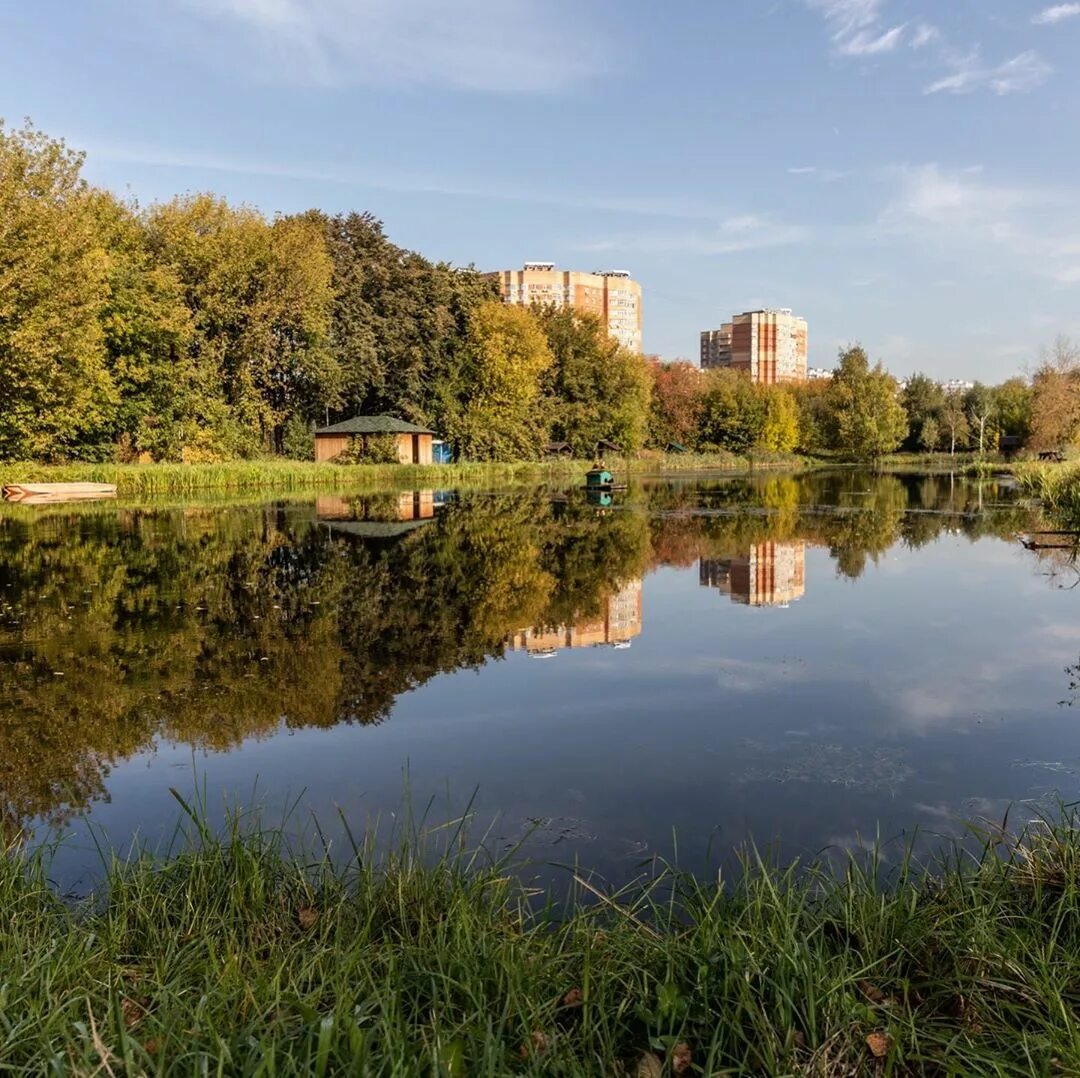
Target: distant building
(771, 574)
(769, 345)
(610, 295)
(618, 622)
(716, 347)
(816, 374)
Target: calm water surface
(802, 661)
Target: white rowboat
(57, 492)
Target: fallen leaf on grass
(872, 992)
(538, 1042)
(879, 1044)
(132, 1012)
(681, 1059)
(649, 1067)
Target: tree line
(863, 412)
(195, 330)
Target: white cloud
(483, 45)
(958, 210)
(1056, 13)
(826, 175)
(862, 28)
(870, 44)
(925, 34)
(857, 28)
(1021, 74)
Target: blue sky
(901, 172)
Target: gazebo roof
(373, 424)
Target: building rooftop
(373, 424)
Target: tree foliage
(54, 288)
(503, 414)
(869, 420)
(597, 388)
(675, 410)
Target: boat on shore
(36, 493)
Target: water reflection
(771, 574)
(125, 629)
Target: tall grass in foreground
(236, 956)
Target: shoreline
(134, 480)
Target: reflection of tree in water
(209, 626)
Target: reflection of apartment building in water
(772, 574)
(770, 346)
(618, 622)
(610, 295)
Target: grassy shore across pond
(293, 475)
(234, 955)
(1057, 486)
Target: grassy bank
(233, 959)
(290, 475)
(1057, 486)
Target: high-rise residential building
(611, 295)
(768, 345)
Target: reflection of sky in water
(924, 691)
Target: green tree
(868, 420)
(929, 434)
(147, 331)
(502, 416)
(55, 389)
(815, 415)
(954, 421)
(597, 388)
(260, 297)
(399, 322)
(1014, 397)
(733, 412)
(922, 399)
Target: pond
(806, 661)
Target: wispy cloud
(1056, 13)
(826, 175)
(479, 45)
(925, 34)
(864, 28)
(1021, 74)
(857, 28)
(732, 235)
(596, 200)
(959, 210)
